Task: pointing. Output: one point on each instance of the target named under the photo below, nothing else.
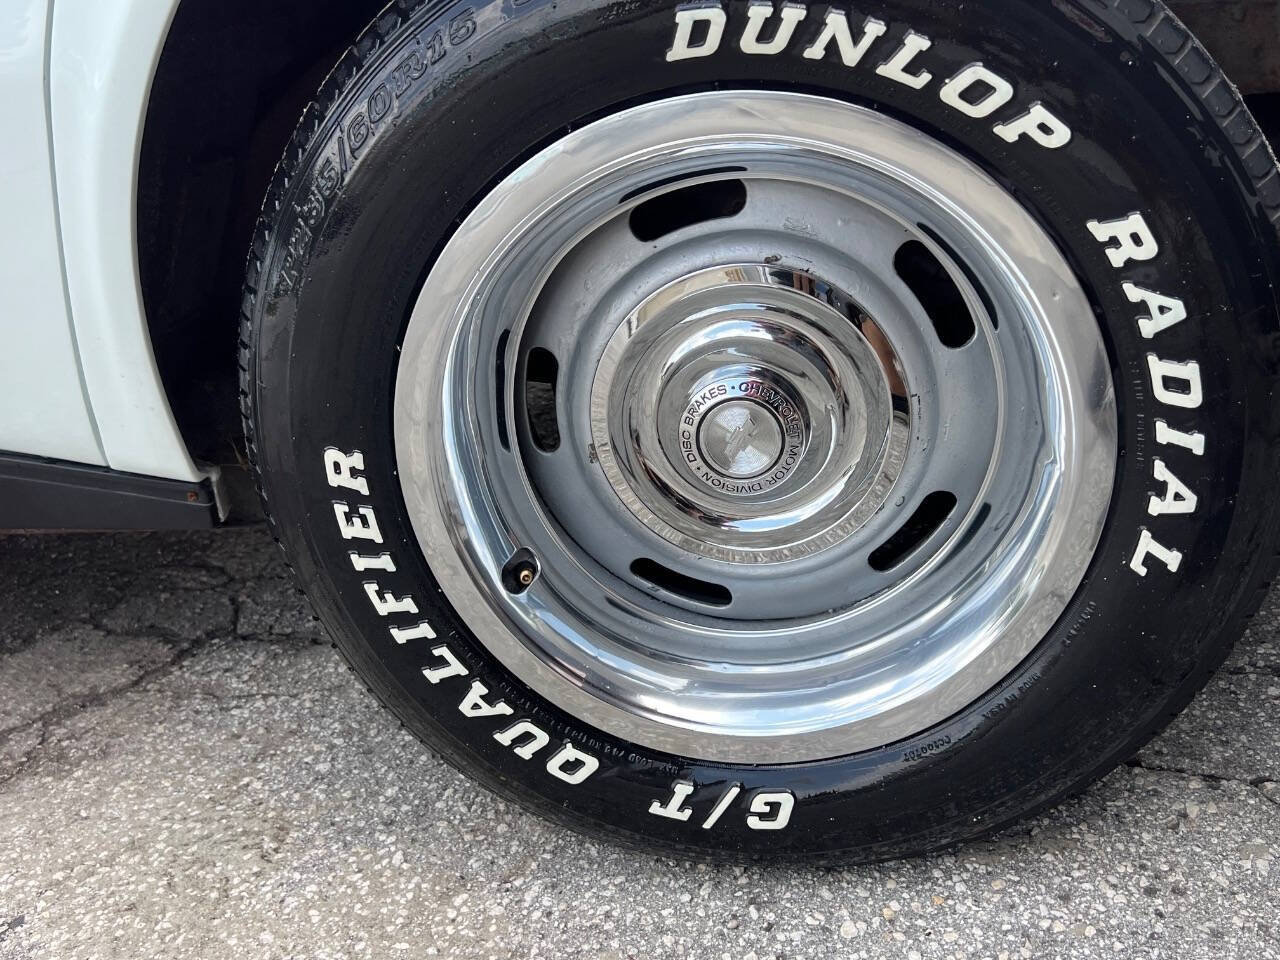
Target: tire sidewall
(454, 98)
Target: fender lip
(100, 69)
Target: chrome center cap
(742, 435)
(743, 414)
(740, 439)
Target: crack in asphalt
(81, 704)
(186, 646)
(1256, 783)
(51, 718)
(1264, 673)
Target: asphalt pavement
(188, 770)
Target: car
(730, 428)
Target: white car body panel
(102, 57)
(44, 410)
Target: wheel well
(231, 83)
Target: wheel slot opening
(542, 370)
(500, 398)
(987, 303)
(683, 207)
(672, 581)
(937, 292)
(920, 526)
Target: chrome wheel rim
(596, 390)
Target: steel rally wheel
(738, 429)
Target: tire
(1117, 152)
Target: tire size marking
(974, 91)
(359, 522)
(359, 128)
(1174, 383)
(766, 810)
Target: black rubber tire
(437, 101)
